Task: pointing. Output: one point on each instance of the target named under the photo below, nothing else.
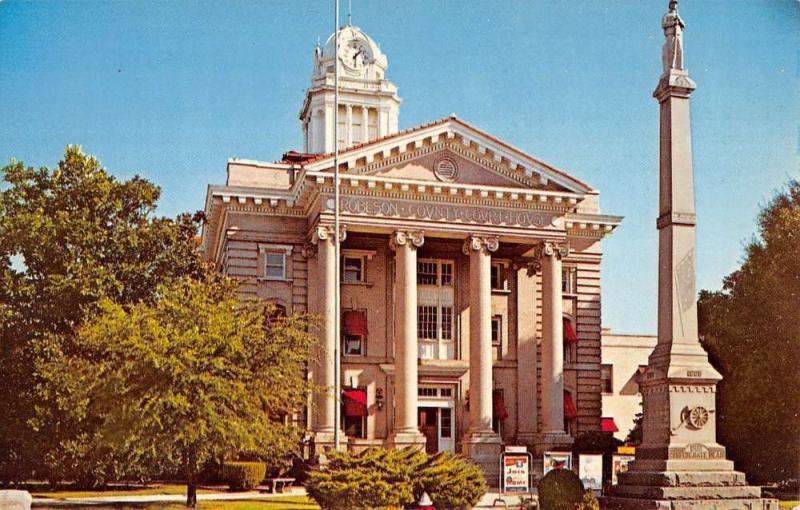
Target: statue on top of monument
(672, 53)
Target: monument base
(406, 439)
(685, 490)
(483, 448)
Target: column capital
(412, 239)
(551, 249)
(326, 233)
(485, 244)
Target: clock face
(354, 54)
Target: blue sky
(170, 89)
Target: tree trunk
(191, 487)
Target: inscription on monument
(443, 212)
(696, 451)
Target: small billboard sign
(515, 474)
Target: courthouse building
(470, 270)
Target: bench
(277, 485)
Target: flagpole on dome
(337, 385)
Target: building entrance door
(429, 426)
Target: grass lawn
(144, 491)
(788, 504)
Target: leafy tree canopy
(69, 237)
(751, 329)
(196, 375)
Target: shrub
(560, 489)
(589, 502)
(374, 478)
(243, 475)
(452, 482)
(379, 478)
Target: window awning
(355, 402)
(569, 332)
(355, 323)
(499, 405)
(608, 425)
(570, 411)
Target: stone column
(406, 429)
(364, 124)
(328, 142)
(481, 443)
(325, 401)
(348, 126)
(526, 352)
(552, 435)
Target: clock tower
(369, 106)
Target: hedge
(243, 475)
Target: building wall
(242, 259)
(625, 354)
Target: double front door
(436, 424)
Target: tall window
(497, 337)
(446, 422)
(426, 322)
(436, 310)
(427, 273)
(607, 378)
(353, 270)
(446, 314)
(354, 332)
(569, 280)
(497, 330)
(275, 265)
(354, 415)
(499, 276)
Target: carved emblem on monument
(697, 417)
(684, 280)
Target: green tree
(69, 237)
(196, 375)
(751, 329)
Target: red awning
(355, 323)
(570, 411)
(355, 402)
(608, 425)
(499, 405)
(569, 332)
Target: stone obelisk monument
(679, 464)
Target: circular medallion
(445, 169)
(698, 417)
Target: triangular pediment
(451, 151)
(449, 164)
